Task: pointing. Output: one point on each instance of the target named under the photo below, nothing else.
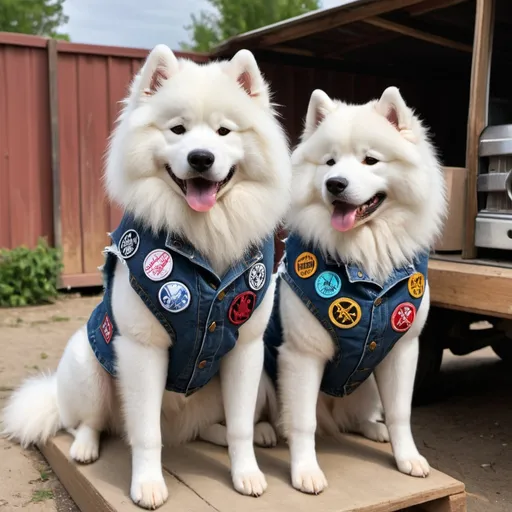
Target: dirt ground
(465, 432)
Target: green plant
(29, 276)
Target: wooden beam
(329, 21)
(54, 139)
(477, 115)
(417, 34)
(432, 5)
(478, 289)
(369, 41)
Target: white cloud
(135, 23)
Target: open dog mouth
(200, 193)
(345, 215)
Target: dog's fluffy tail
(32, 412)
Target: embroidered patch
(328, 284)
(107, 329)
(158, 265)
(403, 316)
(305, 265)
(257, 276)
(345, 313)
(242, 307)
(129, 243)
(174, 296)
(416, 285)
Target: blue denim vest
(200, 311)
(364, 318)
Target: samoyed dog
(368, 201)
(201, 167)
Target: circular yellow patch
(306, 265)
(345, 313)
(416, 285)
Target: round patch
(345, 313)
(129, 243)
(328, 284)
(242, 307)
(158, 265)
(305, 265)
(174, 296)
(403, 316)
(257, 276)
(416, 285)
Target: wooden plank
(198, 475)
(432, 5)
(454, 503)
(104, 486)
(68, 281)
(53, 90)
(417, 34)
(315, 23)
(69, 145)
(477, 289)
(477, 116)
(5, 199)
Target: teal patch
(327, 284)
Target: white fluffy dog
(201, 167)
(368, 201)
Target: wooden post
(54, 132)
(477, 116)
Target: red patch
(403, 317)
(107, 329)
(242, 307)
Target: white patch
(129, 243)
(158, 265)
(257, 276)
(174, 296)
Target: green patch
(44, 475)
(42, 495)
(57, 318)
(44, 355)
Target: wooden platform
(362, 478)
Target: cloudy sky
(135, 23)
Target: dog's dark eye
(369, 160)
(223, 131)
(330, 162)
(178, 129)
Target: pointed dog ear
(319, 106)
(160, 65)
(392, 106)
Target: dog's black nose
(336, 185)
(200, 160)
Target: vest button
(213, 285)
(221, 295)
(202, 364)
(372, 346)
(212, 326)
(359, 274)
(378, 301)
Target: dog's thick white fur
(407, 222)
(174, 107)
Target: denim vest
(200, 311)
(363, 317)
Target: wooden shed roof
(389, 34)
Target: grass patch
(42, 495)
(57, 318)
(44, 355)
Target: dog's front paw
(265, 435)
(149, 494)
(414, 466)
(250, 483)
(309, 479)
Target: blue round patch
(174, 296)
(328, 284)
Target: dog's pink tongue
(344, 216)
(201, 194)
